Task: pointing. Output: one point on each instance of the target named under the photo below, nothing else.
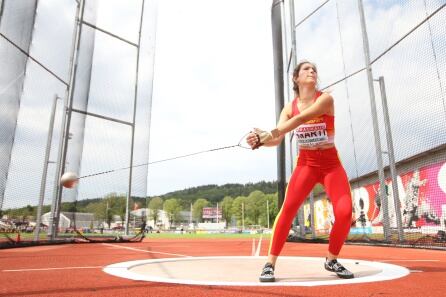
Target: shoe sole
(345, 276)
(267, 280)
(340, 276)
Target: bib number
(311, 134)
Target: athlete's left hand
(258, 138)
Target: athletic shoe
(267, 273)
(336, 267)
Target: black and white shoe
(267, 274)
(336, 267)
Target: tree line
(257, 208)
(240, 203)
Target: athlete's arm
(254, 140)
(323, 105)
(285, 115)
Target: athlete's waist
(330, 146)
(328, 156)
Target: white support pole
(391, 154)
(127, 214)
(66, 121)
(243, 216)
(378, 150)
(45, 169)
(267, 213)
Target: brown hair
(296, 73)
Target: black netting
(34, 76)
(407, 52)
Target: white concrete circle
(245, 270)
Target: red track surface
(87, 279)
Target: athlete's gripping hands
(287, 122)
(259, 137)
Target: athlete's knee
(344, 212)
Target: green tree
(256, 206)
(98, 209)
(172, 207)
(155, 205)
(237, 209)
(226, 209)
(197, 208)
(273, 209)
(115, 204)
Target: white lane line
(408, 260)
(258, 247)
(144, 251)
(52, 268)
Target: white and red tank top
(315, 132)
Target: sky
(213, 83)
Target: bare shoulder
(326, 99)
(288, 109)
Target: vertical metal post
(293, 150)
(395, 193)
(276, 20)
(312, 219)
(127, 214)
(106, 216)
(301, 218)
(190, 216)
(2, 3)
(267, 213)
(66, 120)
(293, 35)
(45, 168)
(134, 113)
(382, 184)
(217, 212)
(243, 216)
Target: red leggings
(315, 166)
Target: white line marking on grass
(144, 251)
(52, 268)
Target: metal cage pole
(45, 168)
(276, 22)
(129, 193)
(66, 121)
(300, 217)
(391, 154)
(382, 184)
(2, 3)
(313, 216)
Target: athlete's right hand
(253, 140)
(258, 138)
